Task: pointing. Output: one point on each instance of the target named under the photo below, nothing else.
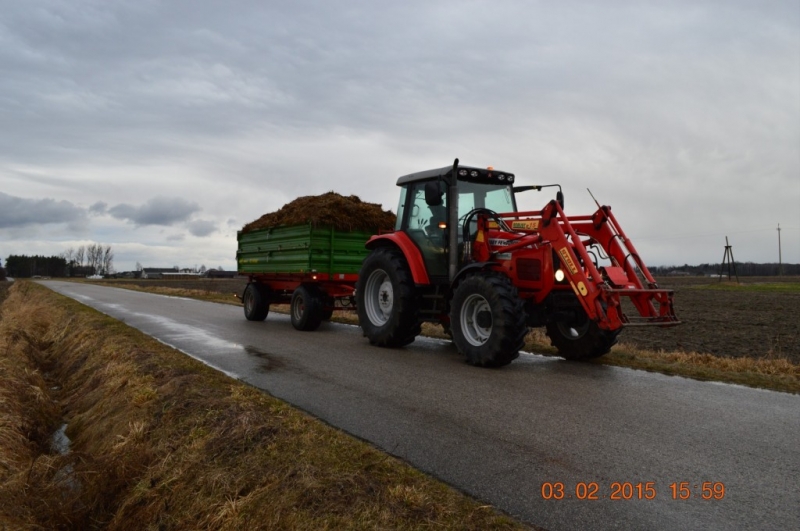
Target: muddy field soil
(734, 323)
(740, 322)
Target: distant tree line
(744, 269)
(23, 266)
(84, 261)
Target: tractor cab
(423, 212)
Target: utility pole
(727, 258)
(780, 258)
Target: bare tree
(80, 256)
(139, 266)
(108, 260)
(94, 257)
(69, 256)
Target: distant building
(218, 273)
(157, 272)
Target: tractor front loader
(463, 256)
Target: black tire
(256, 302)
(306, 308)
(487, 320)
(388, 305)
(581, 340)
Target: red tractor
(462, 256)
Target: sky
(161, 127)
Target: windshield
(495, 197)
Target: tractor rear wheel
(488, 320)
(581, 340)
(306, 308)
(256, 302)
(387, 302)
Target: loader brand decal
(497, 242)
(580, 288)
(531, 224)
(565, 256)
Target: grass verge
(775, 373)
(160, 441)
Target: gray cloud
(98, 208)
(201, 227)
(156, 211)
(21, 212)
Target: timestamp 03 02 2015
(629, 490)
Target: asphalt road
(499, 435)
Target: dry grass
(160, 441)
(774, 372)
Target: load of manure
(330, 209)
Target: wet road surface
(501, 434)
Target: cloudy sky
(161, 127)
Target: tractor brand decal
(565, 256)
(531, 224)
(492, 225)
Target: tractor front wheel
(307, 309)
(581, 340)
(387, 303)
(488, 320)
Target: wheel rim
(474, 333)
(573, 331)
(298, 307)
(379, 297)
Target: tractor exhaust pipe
(453, 228)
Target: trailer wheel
(581, 340)
(256, 302)
(387, 304)
(306, 309)
(487, 319)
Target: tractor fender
(469, 268)
(413, 255)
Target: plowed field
(757, 318)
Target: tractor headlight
(559, 275)
(511, 178)
(501, 177)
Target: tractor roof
(446, 171)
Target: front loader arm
(600, 290)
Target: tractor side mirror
(433, 193)
(560, 199)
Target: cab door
(424, 230)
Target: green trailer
(313, 269)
